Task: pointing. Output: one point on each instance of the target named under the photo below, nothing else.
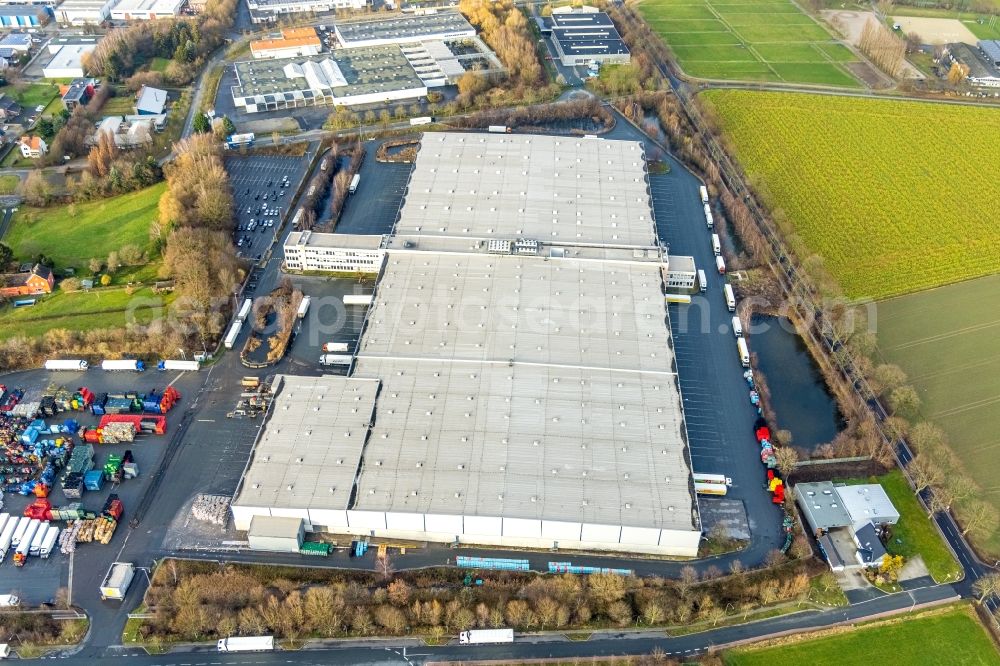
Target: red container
(92, 436)
(41, 509)
(158, 422)
(115, 509)
(763, 433)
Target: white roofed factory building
(514, 384)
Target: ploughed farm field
(749, 40)
(892, 195)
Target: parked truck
(716, 245)
(737, 327)
(126, 364)
(6, 536)
(9, 600)
(704, 194)
(24, 545)
(702, 281)
(246, 644)
(303, 307)
(66, 364)
(178, 365)
(498, 129)
(710, 489)
(358, 299)
(422, 120)
(335, 359)
(232, 334)
(355, 181)
(335, 347)
(741, 346)
(244, 310)
(49, 542)
(483, 636)
(720, 265)
(35, 549)
(19, 531)
(117, 581)
(727, 289)
(709, 220)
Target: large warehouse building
(514, 384)
(405, 29)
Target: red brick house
(39, 280)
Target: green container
(315, 548)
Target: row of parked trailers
(110, 365)
(26, 537)
(237, 326)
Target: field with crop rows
(894, 196)
(755, 40)
(948, 342)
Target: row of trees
(885, 49)
(194, 601)
(185, 42)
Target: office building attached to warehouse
(514, 384)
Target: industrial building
(67, 63)
(294, 42)
(990, 48)
(404, 30)
(56, 43)
(581, 38)
(143, 10)
(981, 72)
(16, 41)
(845, 521)
(346, 77)
(150, 101)
(262, 11)
(680, 272)
(25, 16)
(78, 93)
(514, 384)
(83, 12)
(130, 131)
(308, 251)
(276, 534)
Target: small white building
(143, 10)
(67, 62)
(310, 251)
(130, 131)
(150, 101)
(82, 12)
(680, 272)
(276, 534)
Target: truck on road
(709, 220)
(178, 365)
(117, 581)
(727, 289)
(6, 536)
(232, 334)
(335, 347)
(704, 194)
(246, 644)
(422, 120)
(244, 310)
(65, 364)
(498, 129)
(354, 183)
(126, 364)
(336, 359)
(9, 600)
(741, 345)
(483, 636)
(303, 307)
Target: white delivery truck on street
(704, 194)
(354, 183)
(716, 245)
(702, 281)
(336, 359)
(720, 264)
(727, 289)
(303, 307)
(116, 583)
(65, 364)
(709, 221)
(737, 327)
(246, 644)
(483, 636)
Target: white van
(702, 281)
(716, 245)
(727, 289)
(720, 263)
(737, 327)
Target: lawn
(158, 65)
(122, 104)
(31, 95)
(948, 636)
(111, 307)
(914, 534)
(8, 184)
(73, 234)
(759, 40)
(954, 363)
(891, 194)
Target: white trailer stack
(5, 537)
(234, 332)
(49, 542)
(35, 548)
(244, 310)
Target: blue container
(93, 480)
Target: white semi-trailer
(246, 644)
(483, 636)
(66, 364)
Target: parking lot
(373, 208)
(263, 186)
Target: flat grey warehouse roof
(416, 27)
(555, 189)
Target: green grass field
(915, 533)
(952, 636)
(954, 362)
(758, 40)
(72, 235)
(122, 104)
(8, 184)
(31, 95)
(892, 195)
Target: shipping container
(66, 364)
(737, 327)
(727, 289)
(234, 332)
(303, 307)
(116, 583)
(246, 644)
(49, 542)
(704, 194)
(244, 310)
(355, 181)
(741, 346)
(481, 636)
(112, 365)
(358, 299)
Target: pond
(799, 396)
